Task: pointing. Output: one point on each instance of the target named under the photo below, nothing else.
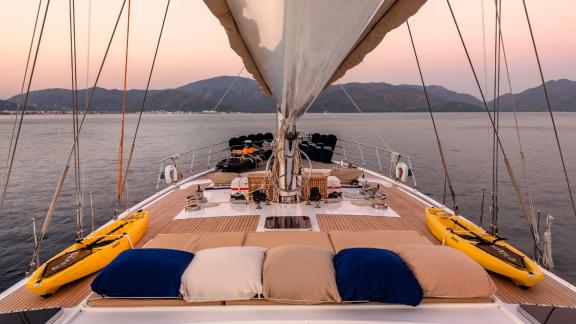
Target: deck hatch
(287, 223)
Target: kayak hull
(447, 227)
(104, 245)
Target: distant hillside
(7, 105)
(246, 96)
(562, 95)
(384, 97)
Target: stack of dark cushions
(237, 143)
(320, 147)
(234, 164)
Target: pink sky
(195, 46)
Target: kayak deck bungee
(89, 254)
(491, 252)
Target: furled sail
(295, 48)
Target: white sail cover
(295, 48)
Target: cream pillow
(446, 272)
(221, 274)
(300, 274)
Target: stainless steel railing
(372, 158)
(369, 157)
(195, 161)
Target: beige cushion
(300, 274)
(273, 239)
(346, 175)
(446, 272)
(193, 242)
(375, 239)
(228, 273)
(222, 178)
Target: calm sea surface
(46, 141)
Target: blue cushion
(378, 275)
(143, 273)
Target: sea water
(466, 138)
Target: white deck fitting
(446, 313)
(225, 208)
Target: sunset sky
(195, 46)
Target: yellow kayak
(490, 252)
(88, 255)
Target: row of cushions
(296, 274)
(289, 273)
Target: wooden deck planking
(411, 211)
(162, 213)
(164, 210)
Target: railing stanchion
(159, 176)
(412, 171)
(362, 156)
(192, 163)
(209, 155)
(379, 163)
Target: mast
(286, 165)
(290, 50)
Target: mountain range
(245, 96)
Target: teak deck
(411, 211)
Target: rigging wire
(74, 86)
(521, 148)
(496, 113)
(56, 195)
(16, 116)
(549, 106)
(100, 69)
(509, 170)
(438, 142)
(22, 108)
(124, 95)
(129, 162)
(538, 244)
(380, 137)
(484, 47)
(88, 38)
(230, 85)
